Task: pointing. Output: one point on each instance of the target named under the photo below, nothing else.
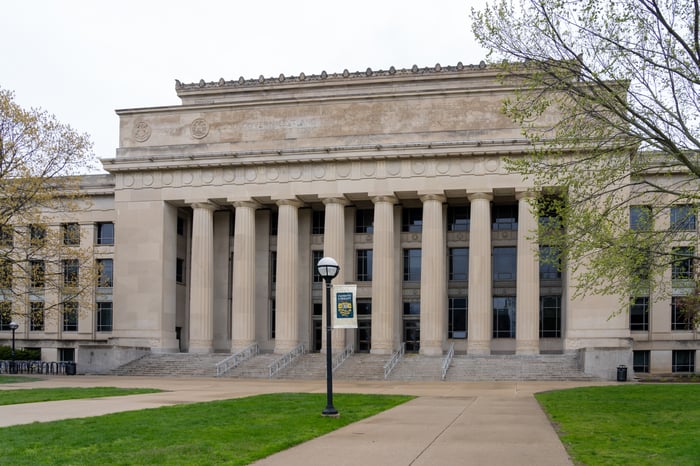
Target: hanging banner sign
(345, 305)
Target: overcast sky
(82, 59)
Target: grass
(644, 424)
(34, 395)
(17, 379)
(234, 432)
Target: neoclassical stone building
(222, 205)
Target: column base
(199, 347)
(527, 348)
(430, 349)
(282, 347)
(479, 348)
(240, 345)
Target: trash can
(71, 368)
(622, 373)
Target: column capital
(202, 204)
(290, 202)
(388, 198)
(525, 194)
(432, 197)
(472, 196)
(245, 203)
(334, 200)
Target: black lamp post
(13, 367)
(328, 269)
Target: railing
(234, 360)
(38, 367)
(287, 359)
(448, 359)
(395, 358)
(340, 358)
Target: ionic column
(528, 279)
(334, 246)
(287, 287)
(243, 286)
(433, 283)
(383, 276)
(480, 308)
(201, 282)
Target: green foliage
(235, 432)
(631, 424)
(20, 354)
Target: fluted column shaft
(202, 275)
(334, 246)
(528, 279)
(287, 287)
(243, 286)
(433, 284)
(480, 318)
(383, 276)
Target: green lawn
(237, 431)
(646, 424)
(17, 379)
(34, 395)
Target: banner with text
(345, 305)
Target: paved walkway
(480, 423)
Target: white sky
(82, 59)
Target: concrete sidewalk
(483, 423)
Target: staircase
(362, 366)
(512, 367)
(172, 365)
(256, 367)
(415, 367)
(309, 366)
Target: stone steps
(512, 367)
(173, 365)
(255, 367)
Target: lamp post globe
(328, 269)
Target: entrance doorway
(411, 335)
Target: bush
(20, 354)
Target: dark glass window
(105, 273)
(37, 273)
(683, 361)
(457, 318)
(104, 316)
(640, 361)
(315, 257)
(71, 270)
(364, 221)
(36, 316)
(318, 309)
(458, 218)
(550, 263)
(550, 316)
(639, 314)
(364, 265)
(504, 263)
(505, 217)
(5, 274)
(640, 217)
(682, 267)
(37, 234)
(180, 270)
(411, 309)
(71, 234)
(412, 219)
(273, 223)
(504, 317)
(180, 226)
(318, 221)
(364, 308)
(459, 264)
(273, 318)
(105, 232)
(70, 316)
(680, 320)
(683, 217)
(7, 234)
(411, 264)
(273, 266)
(5, 315)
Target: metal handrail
(447, 360)
(395, 358)
(340, 358)
(234, 360)
(286, 359)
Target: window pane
(550, 263)
(105, 273)
(37, 272)
(364, 265)
(682, 267)
(412, 219)
(71, 234)
(411, 264)
(504, 263)
(684, 361)
(315, 257)
(680, 320)
(457, 318)
(105, 232)
(550, 316)
(318, 222)
(683, 217)
(364, 221)
(639, 314)
(36, 316)
(70, 316)
(505, 217)
(71, 270)
(458, 218)
(104, 316)
(640, 361)
(504, 317)
(640, 217)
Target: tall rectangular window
(180, 270)
(5, 274)
(458, 218)
(683, 361)
(71, 270)
(36, 316)
(364, 265)
(504, 263)
(457, 318)
(104, 316)
(315, 257)
(640, 218)
(412, 219)
(550, 316)
(639, 314)
(680, 320)
(683, 217)
(71, 234)
(504, 317)
(105, 273)
(274, 222)
(37, 273)
(459, 264)
(273, 318)
(640, 361)
(318, 222)
(411, 265)
(5, 315)
(550, 263)
(364, 221)
(273, 267)
(70, 316)
(682, 266)
(180, 226)
(7, 234)
(37, 235)
(505, 217)
(105, 232)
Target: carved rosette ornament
(142, 131)
(199, 128)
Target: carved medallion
(142, 131)
(199, 128)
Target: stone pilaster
(528, 279)
(480, 308)
(201, 282)
(334, 246)
(384, 276)
(287, 287)
(433, 284)
(243, 286)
